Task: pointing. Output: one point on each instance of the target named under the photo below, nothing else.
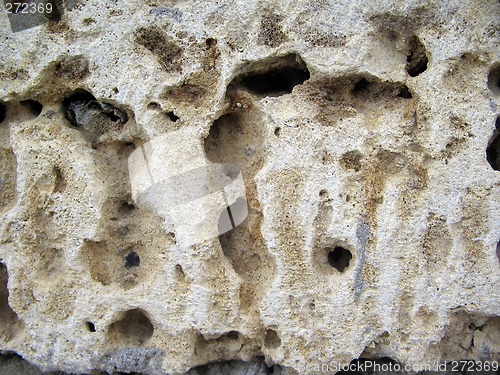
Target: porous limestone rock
(365, 133)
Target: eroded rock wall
(367, 136)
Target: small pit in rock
(405, 93)
(275, 77)
(133, 328)
(493, 149)
(339, 258)
(34, 108)
(154, 105)
(90, 326)
(132, 260)
(172, 116)
(126, 208)
(272, 339)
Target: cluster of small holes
(270, 32)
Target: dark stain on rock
(168, 53)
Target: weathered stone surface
(368, 138)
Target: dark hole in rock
(171, 115)
(277, 77)
(80, 97)
(493, 149)
(126, 208)
(233, 335)
(272, 339)
(405, 93)
(3, 112)
(8, 317)
(416, 58)
(494, 80)
(90, 326)
(112, 116)
(360, 86)
(211, 42)
(57, 9)
(132, 259)
(33, 106)
(339, 258)
(82, 109)
(115, 115)
(134, 326)
(277, 131)
(275, 83)
(498, 251)
(154, 105)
